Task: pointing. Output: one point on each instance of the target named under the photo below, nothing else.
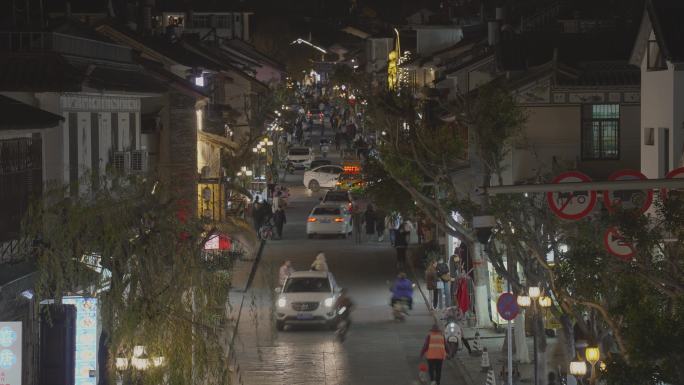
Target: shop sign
(86, 339)
(571, 204)
(10, 353)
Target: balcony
(64, 44)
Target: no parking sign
(572, 204)
(615, 244)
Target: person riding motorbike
(402, 290)
(343, 307)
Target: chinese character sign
(86, 339)
(10, 353)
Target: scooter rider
(402, 290)
(453, 331)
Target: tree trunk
(522, 353)
(541, 349)
(481, 286)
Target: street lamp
(531, 301)
(592, 354)
(578, 369)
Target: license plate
(453, 339)
(304, 316)
(325, 220)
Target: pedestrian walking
(279, 220)
(369, 219)
(357, 223)
(257, 214)
(380, 225)
(435, 350)
(392, 222)
(284, 272)
(431, 282)
(401, 244)
(319, 264)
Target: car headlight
(329, 302)
(282, 302)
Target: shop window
(601, 132)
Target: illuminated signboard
(10, 353)
(352, 169)
(86, 339)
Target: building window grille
(601, 131)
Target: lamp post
(578, 369)
(535, 301)
(592, 354)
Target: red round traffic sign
(507, 306)
(676, 173)
(631, 199)
(616, 244)
(574, 204)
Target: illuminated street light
(593, 354)
(524, 301)
(545, 301)
(578, 369)
(534, 292)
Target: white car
(300, 157)
(322, 176)
(329, 219)
(307, 297)
(338, 197)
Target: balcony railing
(64, 44)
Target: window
(655, 58)
(600, 131)
(200, 21)
(649, 136)
(223, 21)
(307, 285)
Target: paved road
(377, 351)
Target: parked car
(322, 176)
(300, 157)
(326, 219)
(307, 297)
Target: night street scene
(341, 192)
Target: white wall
(429, 40)
(657, 104)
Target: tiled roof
(119, 79)
(667, 19)
(605, 74)
(38, 72)
(17, 115)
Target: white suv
(307, 297)
(300, 157)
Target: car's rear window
(326, 211)
(299, 151)
(307, 285)
(336, 197)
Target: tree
(128, 242)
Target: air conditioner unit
(138, 161)
(121, 161)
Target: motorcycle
(266, 231)
(452, 333)
(342, 324)
(400, 310)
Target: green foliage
(155, 286)
(384, 191)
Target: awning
(17, 115)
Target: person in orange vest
(435, 350)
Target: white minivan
(300, 157)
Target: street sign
(574, 204)
(627, 199)
(507, 306)
(616, 244)
(673, 174)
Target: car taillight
(312, 219)
(339, 219)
